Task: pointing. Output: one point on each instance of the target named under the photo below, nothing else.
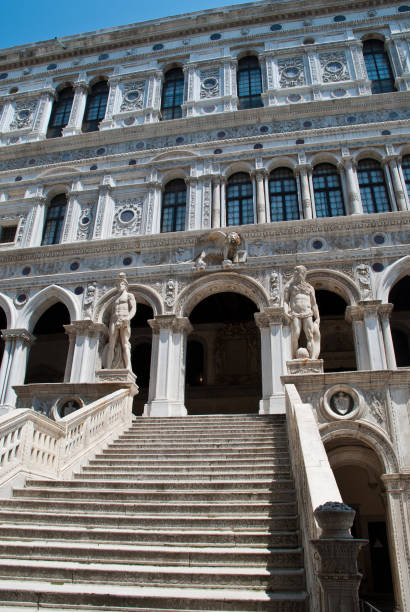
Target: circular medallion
(291, 73)
(126, 216)
(209, 83)
(79, 290)
(133, 95)
(334, 67)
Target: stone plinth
(305, 366)
(119, 375)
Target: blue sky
(24, 21)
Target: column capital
(81, 86)
(346, 162)
(85, 327)
(154, 185)
(303, 167)
(396, 483)
(386, 309)
(272, 315)
(259, 173)
(370, 306)
(354, 313)
(19, 333)
(172, 322)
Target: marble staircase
(190, 513)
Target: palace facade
(205, 156)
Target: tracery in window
(283, 196)
(328, 191)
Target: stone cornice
(171, 28)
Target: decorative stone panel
(210, 86)
(23, 114)
(333, 67)
(85, 222)
(127, 218)
(134, 94)
(292, 72)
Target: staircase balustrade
(31, 444)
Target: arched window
(95, 107)
(328, 191)
(378, 66)
(373, 187)
(172, 94)
(239, 200)
(283, 195)
(173, 206)
(249, 82)
(405, 164)
(61, 112)
(54, 222)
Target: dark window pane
(283, 195)
(172, 94)
(373, 189)
(328, 191)
(173, 207)
(95, 108)
(54, 222)
(406, 172)
(60, 113)
(7, 233)
(249, 83)
(239, 200)
(378, 66)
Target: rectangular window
(7, 233)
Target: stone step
(192, 453)
(204, 435)
(164, 536)
(47, 516)
(130, 598)
(160, 508)
(123, 473)
(273, 485)
(188, 556)
(214, 496)
(198, 445)
(208, 430)
(149, 575)
(210, 418)
(269, 461)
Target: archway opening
(3, 325)
(337, 344)
(48, 354)
(141, 344)
(400, 321)
(223, 370)
(357, 471)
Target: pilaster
(105, 209)
(75, 121)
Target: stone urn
(335, 520)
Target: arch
(237, 167)
(281, 162)
(220, 282)
(142, 294)
(53, 190)
(171, 175)
(354, 455)
(173, 155)
(7, 305)
(54, 172)
(391, 276)
(335, 281)
(45, 298)
(324, 158)
(371, 435)
(369, 154)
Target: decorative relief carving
(85, 222)
(89, 300)
(219, 248)
(291, 72)
(170, 293)
(127, 217)
(375, 402)
(274, 288)
(23, 114)
(133, 96)
(210, 83)
(334, 67)
(363, 278)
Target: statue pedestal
(305, 366)
(120, 375)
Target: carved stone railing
(316, 487)
(31, 444)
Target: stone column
(75, 121)
(385, 311)
(337, 555)
(167, 380)
(192, 207)
(273, 359)
(375, 344)
(260, 196)
(190, 71)
(82, 355)
(107, 122)
(153, 207)
(353, 192)
(229, 85)
(13, 371)
(153, 103)
(216, 201)
(44, 113)
(304, 171)
(105, 209)
(397, 487)
(397, 184)
(354, 315)
(33, 231)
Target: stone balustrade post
(75, 120)
(304, 172)
(84, 337)
(273, 358)
(337, 554)
(13, 368)
(167, 380)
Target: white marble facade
(317, 107)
